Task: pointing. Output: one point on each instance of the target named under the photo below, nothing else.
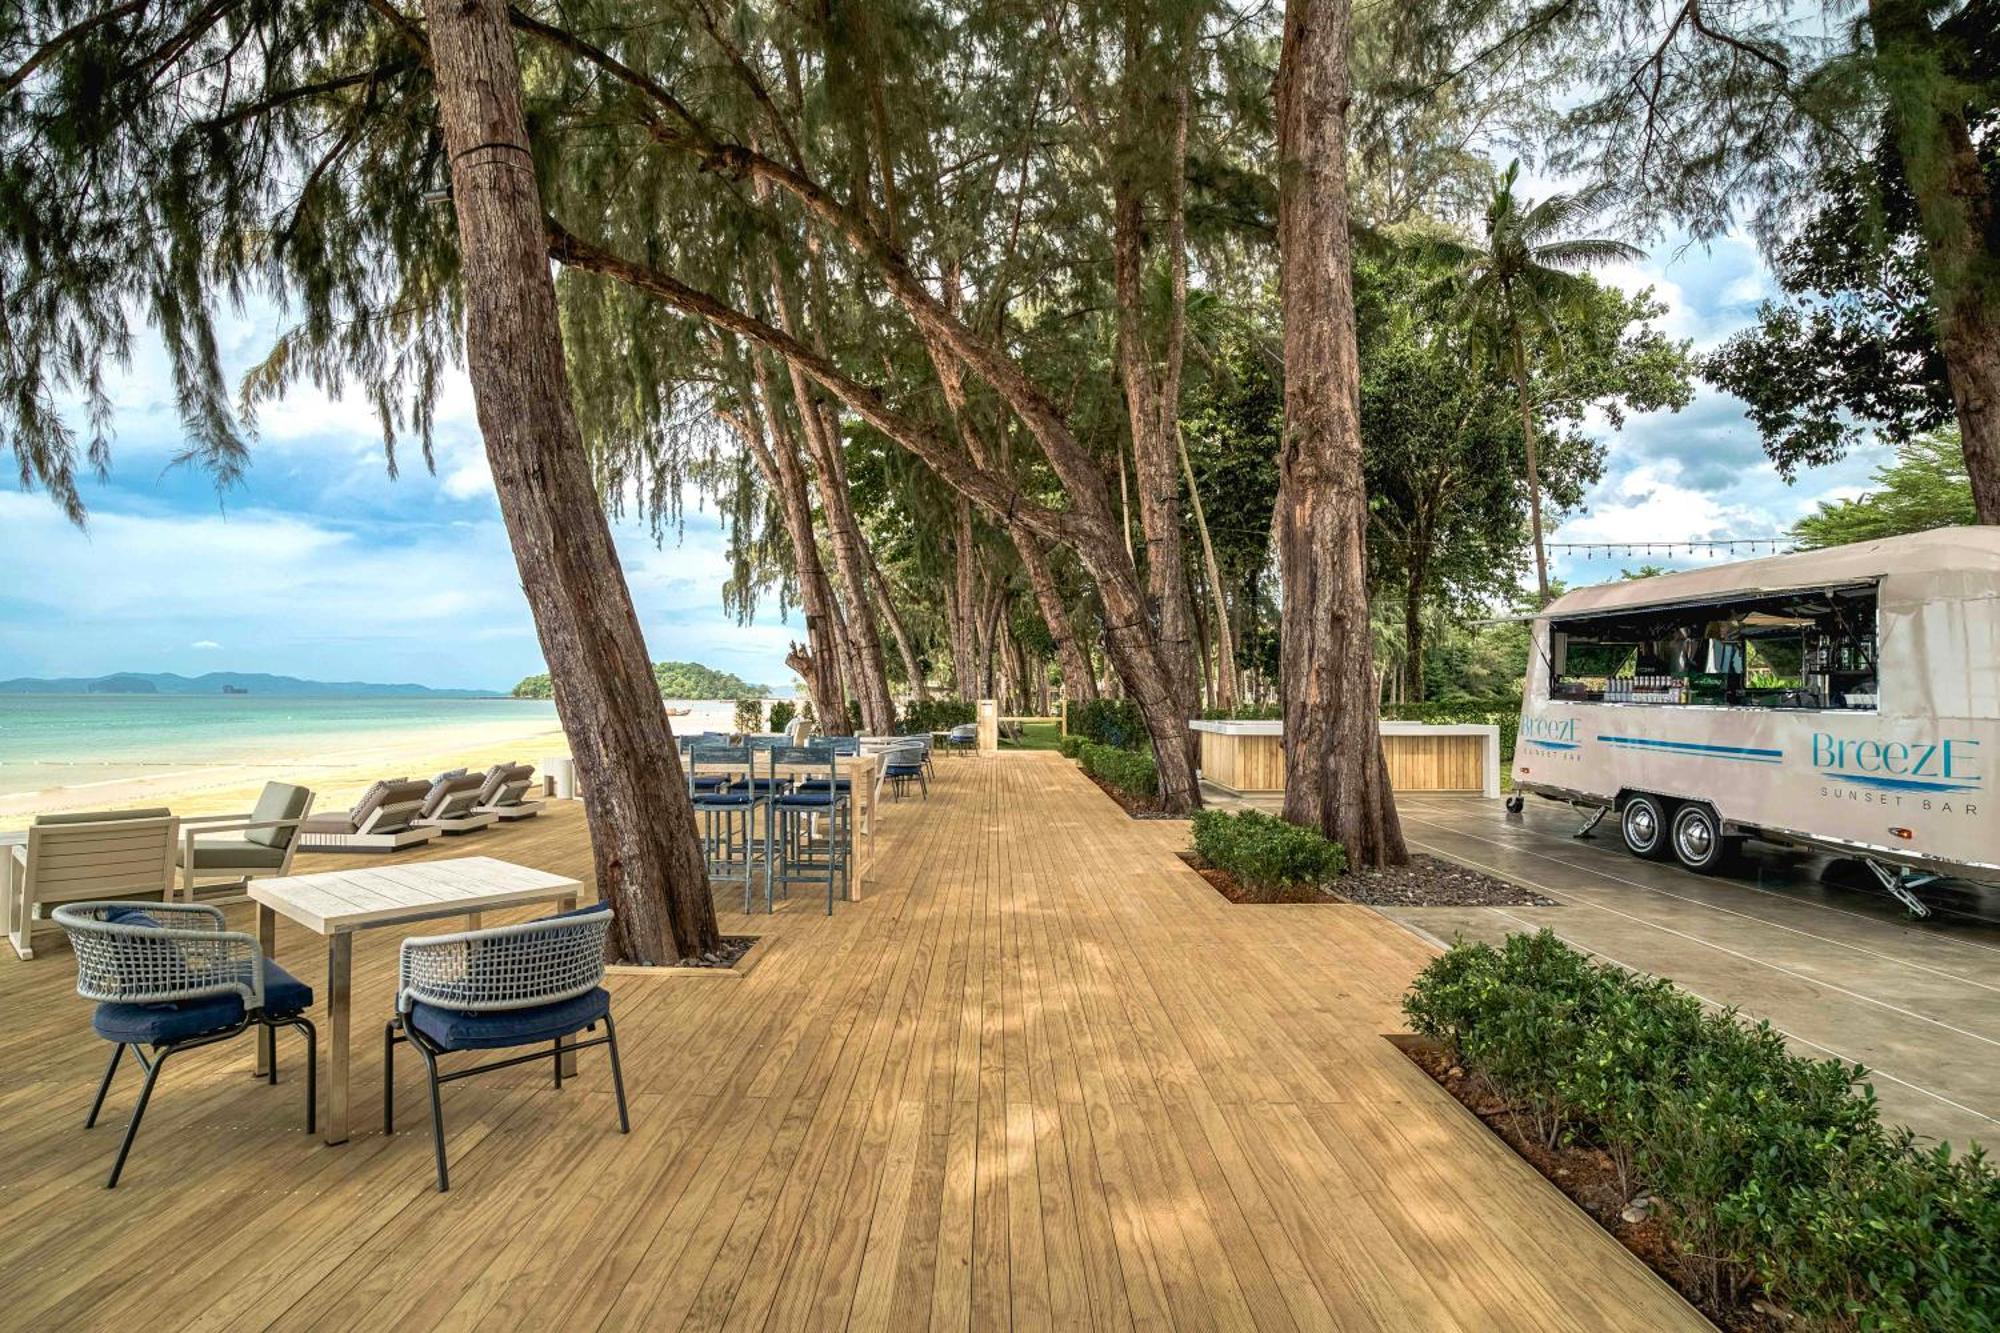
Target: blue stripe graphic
(1554, 745)
(1896, 784)
(1748, 754)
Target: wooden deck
(1040, 1076)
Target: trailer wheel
(1698, 840)
(1515, 803)
(1643, 821)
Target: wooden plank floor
(1040, 1077)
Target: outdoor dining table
(338, 903)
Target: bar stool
(799, 852)
(727, 807)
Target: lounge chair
(381, 821)
(231, 850)
(504, 795)
(91, 855)
(171, 978)
(448, 805)
(537, 983)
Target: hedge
(1131, 771)
(936, 715)
(1266, 852)
(1114, 722)
(1071, 745)
(1772, 1169)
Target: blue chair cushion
(904, 770)
(465, 1030)
(708, 781)
(144, 1024)
(822, 784)
(762, 784)
(126, 915)
(283, 992)
(722, 800)
(808, 800)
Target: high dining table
(338, 903)
(864, 777)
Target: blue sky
(319, 565)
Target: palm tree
(1513, 294)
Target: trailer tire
(1515, 803)
(1698, 840)
(1643, 820)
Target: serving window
(1812, 648)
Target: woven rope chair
(509, 986)
(167, 978)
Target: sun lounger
(383, 820)
(504, 792)
(228, 851)
(449, 805)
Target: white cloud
(205, 644)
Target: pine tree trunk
(1225, 641)
(647, 856)
(963, 616)
(1957, 214)
(1079, 681)
(913, 670)
(1335, 776)
(1413, 631)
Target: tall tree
(1335, 777)
(646, 850)
(1926, 487)
(1513, 294)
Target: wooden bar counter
(1248, 758)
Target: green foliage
(1071, 745)
(1131, 771)
(782, 713)
(1244, 713)
(1926, 487)
(677, 680)
(937, 715)
(1772, 1169)
(749, 715)
(1266, 852)
(1113, 722)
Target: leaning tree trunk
(1079, 681)
(1957, 215)
(646, 853)
(1413, 631)
(1335, 776)
(1527, 405)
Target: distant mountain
(677, 680)
(252, 683)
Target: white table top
(342, 900)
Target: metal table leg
(267, 944)
(339, 1016)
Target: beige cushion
(226, 853)
(280, 800)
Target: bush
(1071, 745)
(1503, 712)
(782, 713)
(1131, 771)
(1772, 1168)
(749, 715)
(1113, 722)
(936, 715)
(1245, 713)
(1266, 852)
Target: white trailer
(1846, 700)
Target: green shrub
(782, 713)
(936, 715)
(1264, 851)
(1244, 713)
(1113, 722)
(1772, 1168)
(749, 715)
(1131, 771)
(1071, 745)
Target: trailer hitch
(1902, 885)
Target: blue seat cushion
(808, 800)
(708, 781)
(905, 770)
(821, 784)
(283, 992)
(466, 1030)
(144, 1024)
(722, 800)
(762, 784)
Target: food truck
(1846, 700)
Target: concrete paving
(1841, 969)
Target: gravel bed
(1430, 882)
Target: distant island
(233, 683)
(677, 680)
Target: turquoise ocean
(63, 740)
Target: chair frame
(78, 920)
(413, 990)
(729, 850)
(787, 852)
(239, 876)
(20, 877)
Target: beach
(203, 756)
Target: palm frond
(1586, 252)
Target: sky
(319, 565)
